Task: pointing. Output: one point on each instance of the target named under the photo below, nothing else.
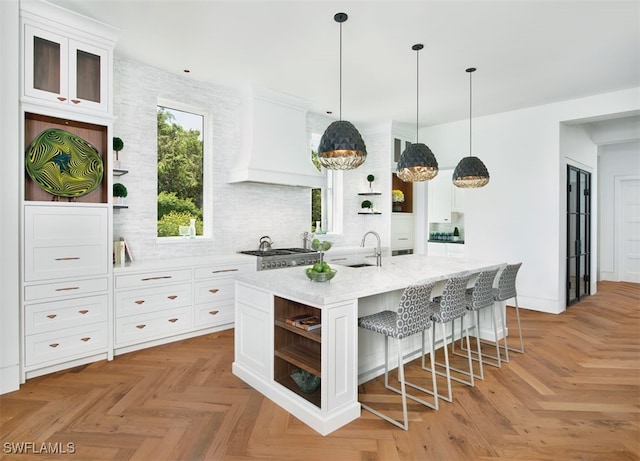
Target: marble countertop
(178, 263)
(396, 273)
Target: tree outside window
(180, 170)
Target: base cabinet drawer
(65, 242)
(152, 279)
(135, 302)
(402, 241)
(65, 288)
(346, 259)
(139, 328)
(58, 315)
(214, 290)
(69, 343)
(214, 314)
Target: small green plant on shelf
(371, 178)
(119, 191)
(368, 205)
(118, 145)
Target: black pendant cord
(340, 106)
(417, 90)
(470, 117)
(417, 47)
(470, 70)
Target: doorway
(578, 234)
(627, 193)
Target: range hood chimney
(274, 148)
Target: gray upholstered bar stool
(411, 318)
(449, 307)
(507, 290)
(479, 297)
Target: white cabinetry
(444, 198)
(457, 199)
(66, 80)
(401, 231)
(342, 257)
(440, 198)
(452, 250)
(160, 302)
(66, 286)
(267, 351)
(67, 59)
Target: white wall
(9, 201)
(615, 161)
(519, 215)
(577, 149)
(242, 212)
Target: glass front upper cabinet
(64, 71)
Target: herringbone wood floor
(575, 394)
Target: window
(326, 203)
(181, 159)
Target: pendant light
(417, 162)
(341, 146)
(470, 172)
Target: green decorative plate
(64, 164)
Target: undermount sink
(362, 265)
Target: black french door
(578, 234)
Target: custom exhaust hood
(274, 148)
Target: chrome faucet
(378, 251)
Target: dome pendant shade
(470, 173)
(417, 163)
(341, 147)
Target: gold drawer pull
(224, 270)
(214, 290)
(54, 345)
(85, 339)
(83, 311)
(157, 278)
(140, 301)
(52, 316)
(173, 320)
(140, 326)
(61, 98)
(213, 312)
(68, 258)
(67, 288)
(172, 297)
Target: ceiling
(527, 52)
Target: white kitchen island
(267, 350)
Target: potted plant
(119, 192)
(456, 234)
(118, 145)
(371, 178)
(367, 204)
(397, 197)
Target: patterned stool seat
(412, 317)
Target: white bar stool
(412, 317)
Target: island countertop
(396, 273)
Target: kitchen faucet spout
(378, 250)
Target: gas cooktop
(277, 252)
(283, 257)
